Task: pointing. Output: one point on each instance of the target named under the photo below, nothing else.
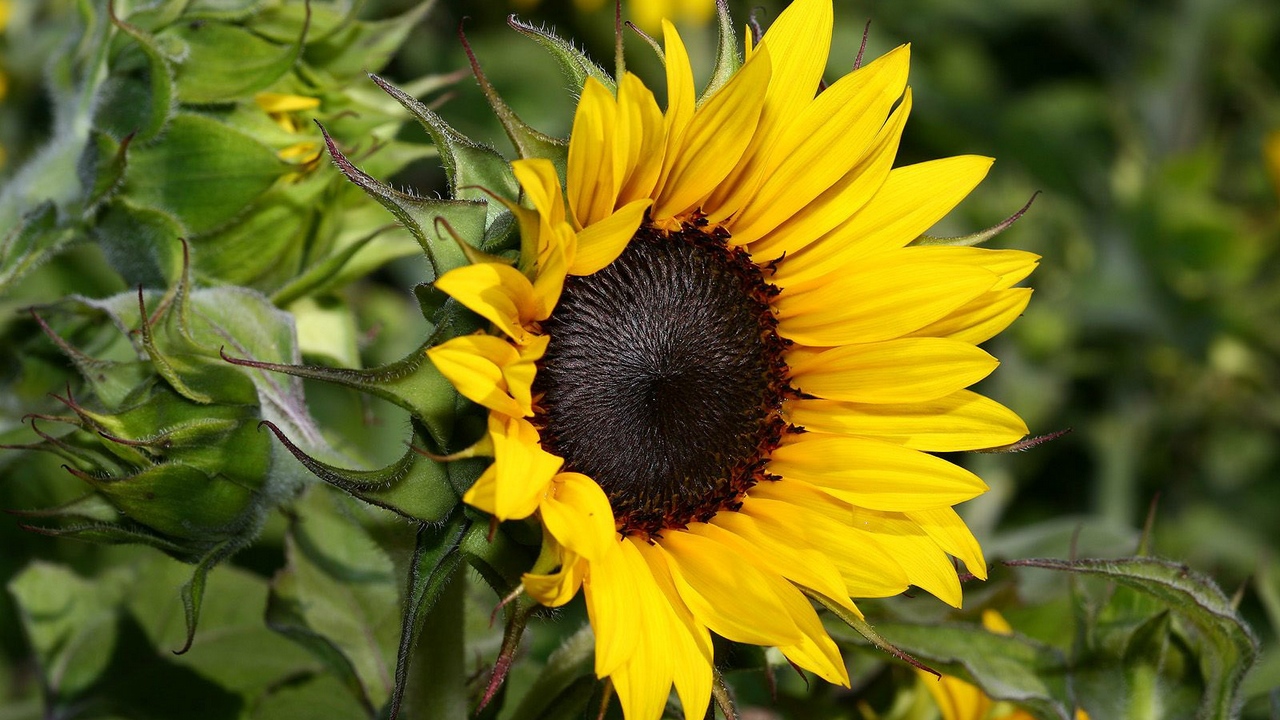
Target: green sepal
(223, 10)
(576, 65)
(412, 382)
(160, 100)
(178, 500)
(283, 22)
(728, 59)
(499, 559)
(470, 167)
(37, 237)
(418, 214)
(140, 243)
(111, 381)
(192, 591)
(101, 167)
(979, 237)
(414, 486)
(434, 565)
(529, 143)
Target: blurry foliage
(1154, 335)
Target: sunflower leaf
(1204, 617)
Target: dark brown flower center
(664, 379)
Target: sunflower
(718, 368)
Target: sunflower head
(717, 365)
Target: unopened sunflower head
(716, 365)
(163, 432)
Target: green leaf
(1224, 645)
(208, 74)
(576, 65)
(70, 622)
(203, 172)
(101, 167)
(338, 595)
(1006, 667)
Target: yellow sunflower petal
(963, 420)
(641, 125)
(953, 536)
(994, 622)
(875, 474)
(498, 293)
(610, 593)
(812, 648)
(692, 654)
(577, 513)
(798, 42)
(592, 177)
(980, 319)
(520, 473)
(822, 142)
(643, 681)
(896, 294)
(557, 588)
(911, 200)
(538, 179)
(956, 699)
(681, 95)
(794, 557)
(602, 243)
(555, 254)
(925, 563)
(793, 507)
(894, 371)
(844, 198)
(714, 140)
(488, 370)
(734, 599)
(1010, 266)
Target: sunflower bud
(165, 433)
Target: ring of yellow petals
(884, 338)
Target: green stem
(436, 686)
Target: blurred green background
(1154, 334)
